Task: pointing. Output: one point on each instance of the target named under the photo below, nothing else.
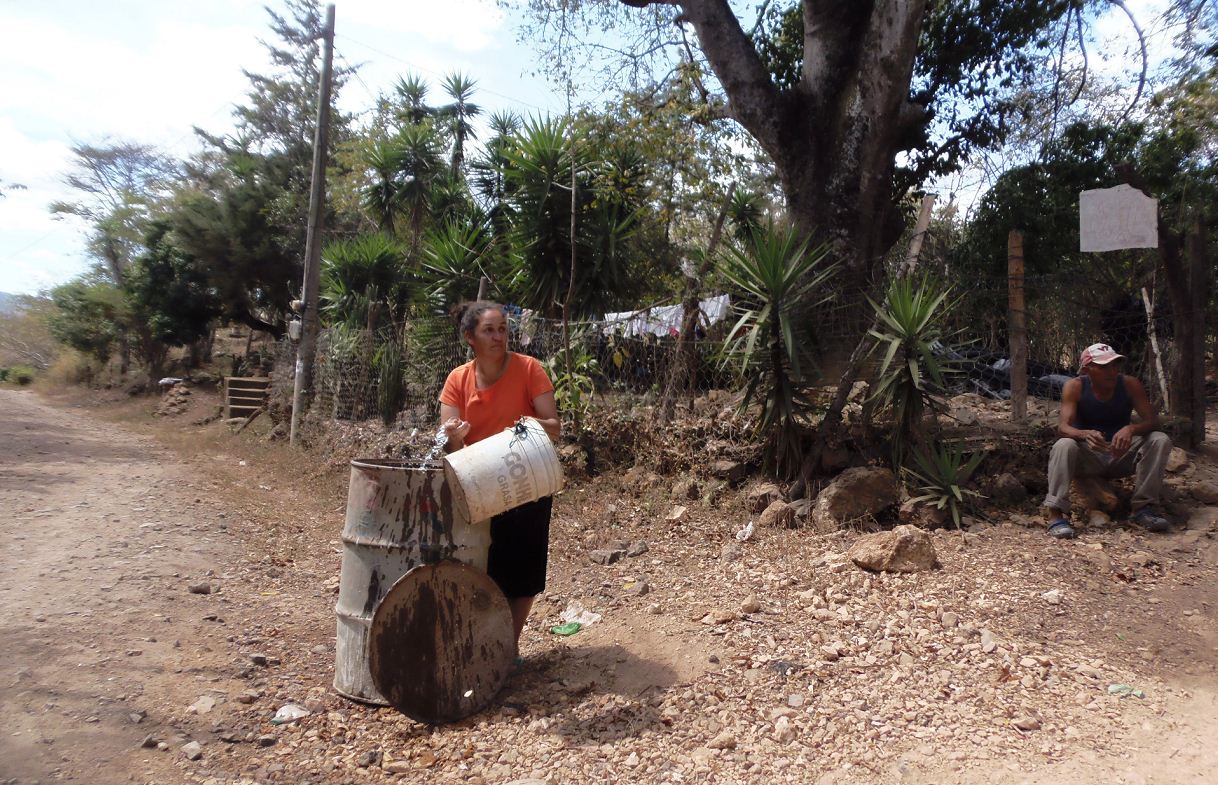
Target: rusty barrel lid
(441, 642)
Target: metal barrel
(400, 515)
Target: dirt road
(177, 590)
(102, 536)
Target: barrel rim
(409, 464)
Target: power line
(416, 67)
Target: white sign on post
(1110, 219)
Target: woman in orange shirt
(480, 399)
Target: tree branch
(1145, 59)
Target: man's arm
(1148, 418)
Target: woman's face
(490, 335)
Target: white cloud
(464, 25)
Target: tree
(835, 92)
(170, 295)
(91, 314)
(244, 216)
(122, 186)
(459, 116)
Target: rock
(904, 549)
(688, 490)
(639, 589)
(398, 767)
(924, 516)
(863, 490)
(637, 548)
(199, 588)
(834, 458)
(1206, 493)
(1095, 493)
(762, 496)
(192, 750)
(963, 416)
(1026, 723)
(719, 617)
(988, 643)
(1053, 597)
(1177, 460)
(607, 555)
(149, 742)
(1098, 519)
(259, 659)
(137, 717)
(751, 604)
(632, 759)
(731, 551)
(724, 741)
(778, 515)
(783, 730)
(246, 697)
(266, 740)
(1007, 490)
(677, 514)
(574, 459)
(830, 653)
(370, 758)
(202, 706)
(949, 619)
(732, 471)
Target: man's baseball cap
(1098, 353)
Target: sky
(79, 71)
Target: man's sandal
(1062, 530)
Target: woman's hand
(455, 429)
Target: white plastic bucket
(503, 471)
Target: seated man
(1098, 440)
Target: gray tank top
(1108, 416)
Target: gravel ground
(715, 661)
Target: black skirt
(520, 544)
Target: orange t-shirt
(499, 406)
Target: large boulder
(863, 490)
(778, 515)
(904, 549)
(762, 496)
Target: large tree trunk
(834, 136)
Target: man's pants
(1147, 455)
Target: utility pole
(310, 324)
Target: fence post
(1199, 291)
(1017, 327)
(1154, 347)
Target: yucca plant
(911, 379)
(360, 273)
(452, 262)
(776, 281)
(942, 470)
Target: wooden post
(915, 244)
(1154, 347)
(483, 285)
(310, 323)
(1017, 327)
(1199, 291)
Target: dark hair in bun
(467, 314)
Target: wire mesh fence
(397, 375)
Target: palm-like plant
(412, 100)
(942, 471)
(452, 262)
(777, 280)
(459, 115)
(912, 379)
(745, 212)
(362, 275)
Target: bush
(22, 375)
(71, 368)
